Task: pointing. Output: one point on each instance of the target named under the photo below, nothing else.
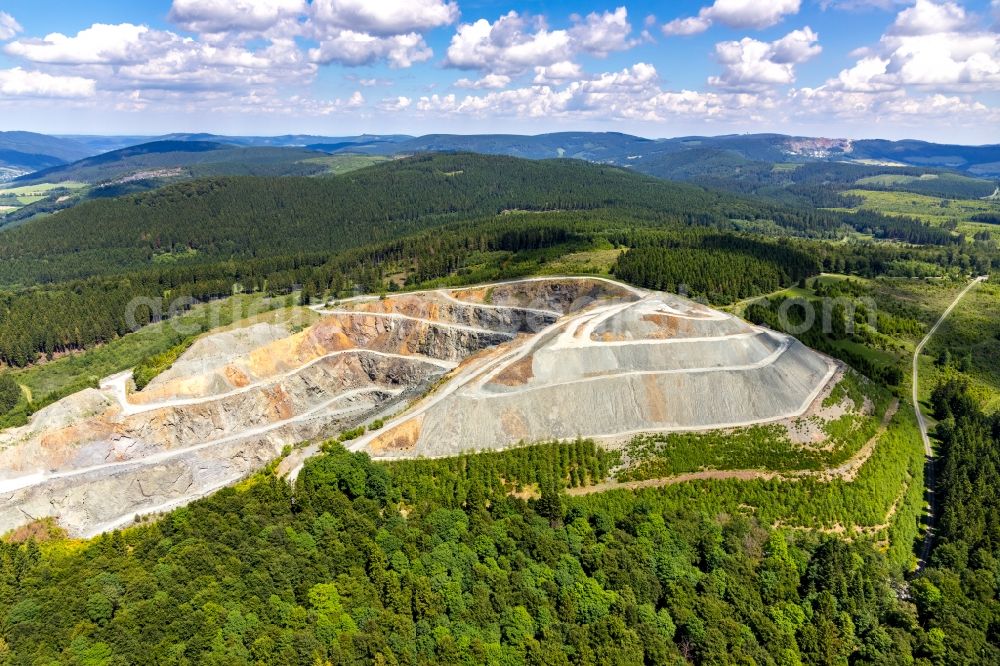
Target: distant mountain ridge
(633, 151)
(24, 152)
(606, 147)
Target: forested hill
(233, 217)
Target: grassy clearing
(589, 262)
(41, 189)
(933, 210)
(921, 300)
(973, 330)
(891, 179)
(761, 447)
(340, 164)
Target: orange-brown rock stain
(402, 437)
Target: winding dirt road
(845, 470)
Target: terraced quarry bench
(452, 371)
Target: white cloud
(603, 33)
(193, 65)
(223, 16)
(490, 81)
(863, 77)
(558, 73)
(757, 14)
(889, 108)
(18, 82)
(750, 63)
(928, 18)
(101, 43)
(361, 32)
(514, 44)
(796, 47)
(634, 94)
(691, 25)
(8, 26)
(127, 56)
(508, 45)
(399, 103)
(358, 48)
(930, 45)
(629, 94)
(384, 17)
(356, 99)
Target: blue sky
(855, 68)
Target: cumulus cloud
(129, 56)
(360, 48)
(101, 43)
(400, 103)
(558, 73)
(750, 63)
(490, 81)
(889, 107)
(384, 17)
(600, 34)
(360, 32)
(930, 44)
(928, 18)
(18, 82)
(757, 14)
(629, 94)
(219, 16)
(515, 43)
(509, 44)
(8, 26)
(691, 25)
(635, 94)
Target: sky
(925, 69)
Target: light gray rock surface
(526, 360)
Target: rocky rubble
(525, 360)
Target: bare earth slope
(520, 361)
(618, 361)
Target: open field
(27, 194)
(338, 164)
(971, 335)
(933, 210)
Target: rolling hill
(24, 152)
(175, 159)
(226, 217)
(150, 165)
(638, 152)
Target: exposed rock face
(619, 362)
(532, 359)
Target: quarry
(446, 371)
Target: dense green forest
(364, 563)
(210, 220)
(721, 268)
(957, 595)
(249, 217)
